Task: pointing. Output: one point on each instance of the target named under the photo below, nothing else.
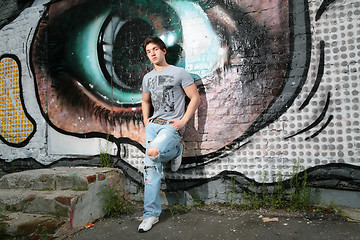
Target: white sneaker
(176, 162)
(147, 224)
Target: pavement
(222, 222)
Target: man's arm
(146, 107)
(193, 94)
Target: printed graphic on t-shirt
(162, 94)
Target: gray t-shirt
(166, 88)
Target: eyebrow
(147, 50)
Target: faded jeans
(168, 141)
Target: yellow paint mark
(15, 126)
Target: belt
(160, 121)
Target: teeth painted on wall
(15, 126)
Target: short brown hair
(154, 40)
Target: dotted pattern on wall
(15, 126)
(270, 153)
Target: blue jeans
(168, 141)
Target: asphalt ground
(223, 222)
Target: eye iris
(121, 58)
(128, 59)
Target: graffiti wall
(278, 82)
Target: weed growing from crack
(300, 194)
(114, 203)
(105, 157)
(231, 195)
(278, 196)
(251, 199)
(178, 208)
(197, 201)
(44, 234)
(298, 198)
(2, 215)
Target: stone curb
(51, 198)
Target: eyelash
(75, 98)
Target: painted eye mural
(94, 64)
(278, 83)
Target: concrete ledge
(353, 214)
(338, 197)
(60, 178)
(42, 202)
(53, 198)
(24, 224)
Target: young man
(165, 117)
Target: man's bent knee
(152, 152)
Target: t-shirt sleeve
(187, 80)
(145, 85)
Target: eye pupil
(129, 62)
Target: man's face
(155, 54)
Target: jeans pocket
(180, 132)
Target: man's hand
(178, 124)
(147, 120)
(193, 94)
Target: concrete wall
(278, 82)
